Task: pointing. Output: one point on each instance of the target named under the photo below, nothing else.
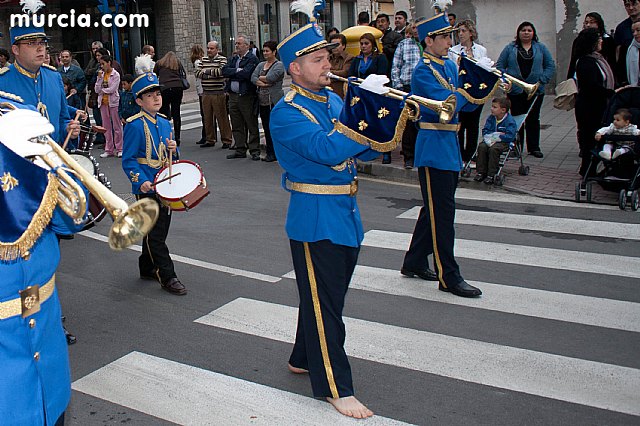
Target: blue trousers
(323, 272)
(434, 232)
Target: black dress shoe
(226, 145)
(71, 339)
(537, 154)
(269, 158)
(208, 145)
(462, 289)
(425, 274)
(236, 155)
(255, 157)
(174, 286)
(201, 142)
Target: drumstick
(166, 179)
(170, 157)
(66, 140)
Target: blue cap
(144, 83)
(306, 40)
(26, 33)
(436, 25)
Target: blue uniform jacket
(310, 151)
(136, 146)
(507, 126)
(437, 148)
(44, 86)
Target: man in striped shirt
(405, 59)
(214, 100)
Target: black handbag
(183, 77)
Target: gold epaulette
(50, 67)
(11, 96)
(4, 70)
(289, 96)
(134, 117)
(162, 115)
(329, 88)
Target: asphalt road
(553, 340)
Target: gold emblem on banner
(362, 125)
(8, 182)
(383, 112)
(355, 100)
(483, 86)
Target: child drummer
(148, 147)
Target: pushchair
(515, 150)
(621, 174)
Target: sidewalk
(553, 176)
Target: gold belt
(440, 126)
(310, 188)
(29, 301)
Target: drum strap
(161, 151)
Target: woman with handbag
(595, 82)
(170, 73)
(268, 76)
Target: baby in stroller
(621, 126)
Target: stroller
(621, 174)
(515, 150)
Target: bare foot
(350, 406)
(297, 370)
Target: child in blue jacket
(498, 132)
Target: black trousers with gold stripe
(434, 232)
(323, 272)
(155, 253)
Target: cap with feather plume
(311, 8)
(146, 79)
(30, 7)
(144, 64)
(441, 5)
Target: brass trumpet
(130, 223)
(446, 109)
(528, 88)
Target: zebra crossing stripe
(598, 312)
(503, 197)
(188, 395)
(597, 263)
(595, 228)
(573, 380)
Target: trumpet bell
(133, 224)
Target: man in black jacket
(390, 39)
(242, 96)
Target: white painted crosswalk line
(190, 126)
(596, 228)
(572, 308)
(598, 263)
(558, 377)
(188, 395)
(503, 197)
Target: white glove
(375, 83)
(19, 126)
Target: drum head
(181, 185)
(85, 162)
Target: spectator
(529, 60)
(128, 106)
(633, 63)
(114, 64)
(214, 100)
(390, 39)
(107, 85)
(623, 38)
(340, 62)
(400, 22)
(594, 20)
(147, 49)
(268, 76)
(452, 21)
(4, 57)
(595, 82)
(406, 58)
(369, 61)
(73, 100)
(469, 119)
(90, 72)
(498, 133)
(332, 31)
(197, 53)
(75, 75)
(168, 71)
(363, 18)
(242, 95)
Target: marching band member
(323, 220)
(147, 148)
(36, 383)
(437, 156)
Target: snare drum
(186, 188)
(97, 212)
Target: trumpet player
(35, 388)
(437, 156)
